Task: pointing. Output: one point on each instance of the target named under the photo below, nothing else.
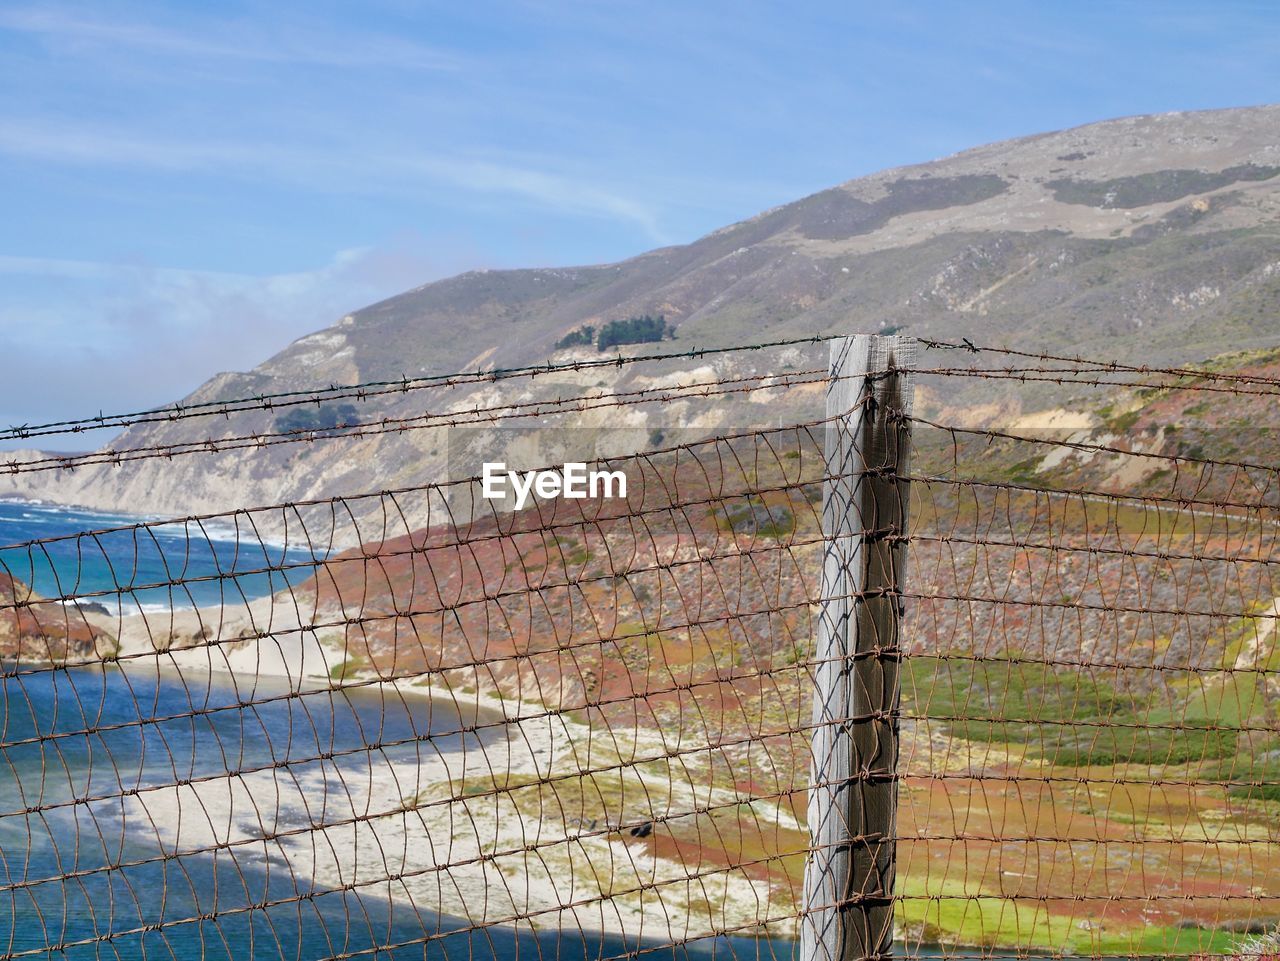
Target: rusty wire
(685, 546)
(368, 389)
(1090, 689)
(464, 416)
(586, 727)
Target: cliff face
(1049, 641)
(716, 553)
(45, 631)
(1150, 238)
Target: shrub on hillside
(321, 417)
(582, 337)
(644, 329)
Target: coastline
(222, 529)
(473, 833)
(505, 834)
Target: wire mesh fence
(1089, 714)
(417, 722)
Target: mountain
(1152, 239)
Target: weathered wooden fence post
(853, 797)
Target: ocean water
(111, 560)
(90, 879)
(83, 876)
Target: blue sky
(188, 187)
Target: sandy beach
(531, 824)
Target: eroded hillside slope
(1149, 238)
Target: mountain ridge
(1152, 238)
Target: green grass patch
(755, 517)
(1024, 471)
(1001, 700)
(1255, 774)
(1123, 422)
(955, 912)
(1076, 719)
(349, 668)
(1166, 941)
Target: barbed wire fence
(1002, 686)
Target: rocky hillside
(1086, 670)
(33, 630)
(1148, 238)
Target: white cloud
(550, 189)
(325, 167)
(80, 337)
(289, 43)
(51, 267)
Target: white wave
(81, 520)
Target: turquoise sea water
(117, 560)
(80, 872)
